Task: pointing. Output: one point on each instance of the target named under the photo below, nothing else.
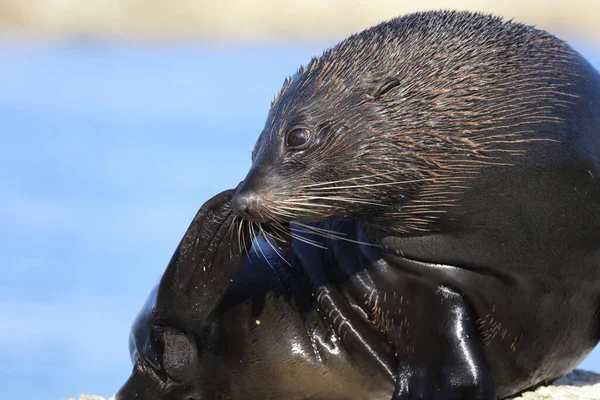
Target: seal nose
(247, 204)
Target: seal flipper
(167, 329)
(204, 263)
(446, 362)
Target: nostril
(247, 206)
(240, 204)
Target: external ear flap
(383, 86)
(203, 265)
(180, 357)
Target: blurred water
(107, 151)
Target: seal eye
(297, 137)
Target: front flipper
(444, 360)
(205, 262)
(168, 331)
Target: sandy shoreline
(262, 20)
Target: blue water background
(106, 153)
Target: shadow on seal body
(438, 174)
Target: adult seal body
(467, 149)
(440, 176)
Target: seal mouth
(250, 206)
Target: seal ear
(203, 265)
(383, 86)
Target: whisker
(276, 217)
(307, 241)
(334, 236)
(323, 229)
(303, 239)
(265, 234)
(259, 247)
(378, 184)
(239, 232)
(274, 235)
(267, 240)
(349, 179)
(345, 199)
(276, 223)
(299, 209)
(242, 222)
(302, 204)
(275, 211)
(253, 236)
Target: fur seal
(438, 174)
(231, 322)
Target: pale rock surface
(578, 385)
(92, 397)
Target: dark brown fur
(472, 91)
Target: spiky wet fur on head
(403, 114)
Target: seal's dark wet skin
(447, 165)
(172, 342)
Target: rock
(92, 397)
(578, 385)
(563, 393)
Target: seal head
(394, 123)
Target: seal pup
(467, 150)
(463, 264)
